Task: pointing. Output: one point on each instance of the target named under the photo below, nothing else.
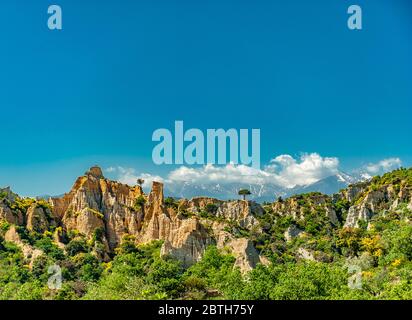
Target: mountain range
(260, 192)
(106, 235)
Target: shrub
(139, 202)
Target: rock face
(244, 212)
(37, 218)
(97, 203)
(299, 206)
(372, 201)
(246, 255)
(29, 252)
(110, 211)
(292, 232)
(11, 216)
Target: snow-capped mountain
(224, 191)
(260, 192)
(328, 185)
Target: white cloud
(284, 171)
(130, 175)
(309, 169)
(226, 174)
(384, 165)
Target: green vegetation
(171, 203)
(138, 272)
(244, 193)
(140, 181)
(139, 203)
(381, 248)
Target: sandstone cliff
(98, 203)
(381, 195)
(108, 211)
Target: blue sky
(94, 92)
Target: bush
(77, 246)
(139, 202)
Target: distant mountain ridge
(260, 192)
(101, 222)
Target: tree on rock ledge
(140, 181)
(244, 193)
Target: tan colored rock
(199, 203)
(12, 235)
(28, 251)
(241, 211)
(245, 253)
(96, 202)
(95, 172)
(292, 207)
(373, 202)
(8, 215)
(292, 232)
(155, 201)
(306, 254)
(37, 218)
(187, 242)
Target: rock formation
(375, 199)
(98, 203)
(300, 205)
(28, 251)
(112, 211)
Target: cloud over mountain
(283, 171)
(283, 176)
(384, 165)
(130, 175)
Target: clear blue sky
(95, 91)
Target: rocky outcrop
(198, 204)
(241, 211)
(95, 202)
(28, 251)
(312, 255)
(187, 242)
(188, 238)
(6, 213)
(85, 221)
(6, 193)
(37, 218)
(292, 232)
(247, 257)
(299, 206)
(353, 191)
(373, 201)
(11, 216)
(356, 214)
(306, 254)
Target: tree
(244, 193)
(140, 181)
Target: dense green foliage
(381, 250)
(384, 253)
